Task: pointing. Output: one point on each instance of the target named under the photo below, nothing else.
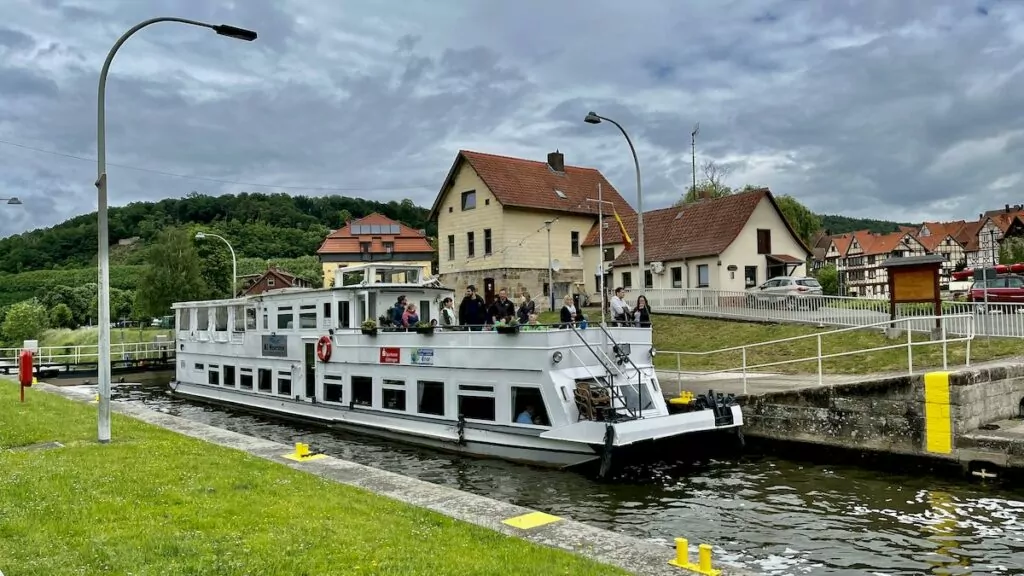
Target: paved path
(732, 383)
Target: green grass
(157, 503)
(690, 334)
(90, 336)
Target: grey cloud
(11, 39)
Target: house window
(648, 279)
(469, 200)
(487, 241)
(451, 246)
(245, 379)
(677, 277)
(431, 398)
(609, 254)
(764, 241)
(333, 388)
(470, 250)
(393, 394)
(285, 318)
(284, 384)
(265, 381)
(750, 276)
(364, 247)
(627, 280)
(362, 390)
(270, 282)
(389, 247)
(574, 242)
(703, 276)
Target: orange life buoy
(323, 348)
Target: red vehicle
(1007, 289)
(1000, 269)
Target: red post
(25, 371)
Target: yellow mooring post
(302, 453)
(682, 559)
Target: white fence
(745, 368)
(88, 354)
(961, 317)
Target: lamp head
(235, 32)
(14, 201)
(200, 236)
(592, 118)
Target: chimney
(556, 161)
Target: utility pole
(600, 240)
(551, 273)
(693, 154)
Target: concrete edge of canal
(633, 554)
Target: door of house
(488, 290)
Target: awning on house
(784, 258)
(782, 262)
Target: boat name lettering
(390, 355)
(276, 346)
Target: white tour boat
(321, 355)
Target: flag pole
(600, 235)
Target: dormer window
(560, 194)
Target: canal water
(771, 515)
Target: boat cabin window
(333, 388)
(203, 319)
(266, 324)
(266, 380)
(424, 311)
(430, 397)
(476, 402)
(239, 323)
(250, 318)
(351, 278)
(528, 404)
(362, 390)
(213, 376)
(229, 376)
(285, 318)
(327, 314)
(221, 318)
(199, 367)
(344, 314)
(245, 379)
(632, 395)
(393, 394)
(284, 383)
(307, 316)
(185, 319)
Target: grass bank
(690, 334)
(91, 336)
(158, 503)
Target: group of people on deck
(475, 314)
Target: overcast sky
(906, 109)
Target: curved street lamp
(11, 201)
(593, 118)
(234, 261)
(103, 287)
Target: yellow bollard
(682, 552)
(704, 558)
(301, 450)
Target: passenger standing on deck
(448, 318)
(502, 309)
(526, 308)
(472, 310)
(398, 311)
(569, 314)
(410, 317)
(642, 314)
(620, 310)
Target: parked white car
(786, 291)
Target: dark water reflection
(770, 515)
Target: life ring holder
(323, 348)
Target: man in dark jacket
(472, 310)
(502, 308)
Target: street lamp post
(234, 261)
(11, 201)
(593, 118)
(103, 287)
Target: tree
(803, 221)
(712, 185)
(828, 277)
(173, 275)
(121, 304)
(61, 316)
(25, 321)
(1011, 251)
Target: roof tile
(342, 241)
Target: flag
(625, 235)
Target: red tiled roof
(520, 183)
(843, 242)
(703, 228)
(342, 241)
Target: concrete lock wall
(923, 415)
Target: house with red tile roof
(500, 219)
(729, 243)
(374, 238)
(273, 279)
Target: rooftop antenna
(693, 154)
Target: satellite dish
(556, 265)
